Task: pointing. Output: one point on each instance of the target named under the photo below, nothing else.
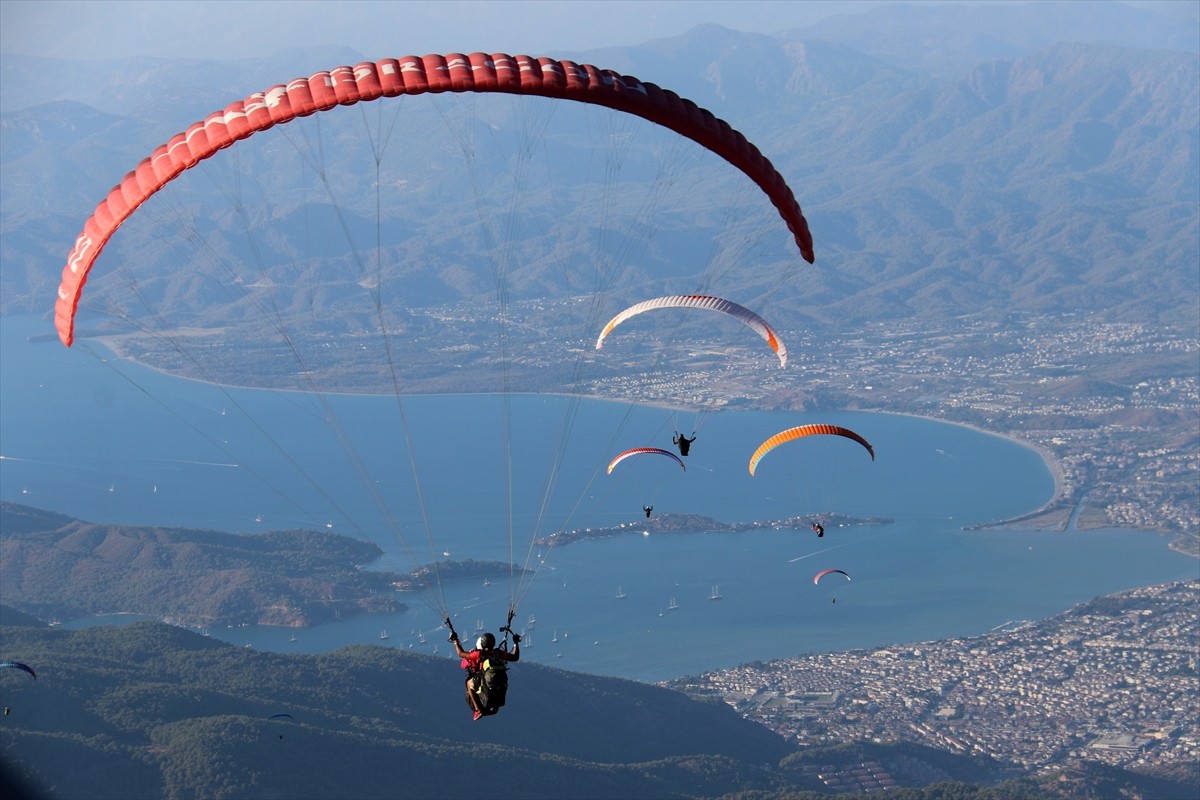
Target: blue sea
(107, 441)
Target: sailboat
(671, 606)
(554, 638)
(620, 593)
(383, 635)
(532, 621)
(716, 593)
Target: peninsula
(59, 568)
(696, 523)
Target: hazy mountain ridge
(947, 39)
(1061, 178)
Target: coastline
(108, 341)
(1053, 508)
(1054, 505)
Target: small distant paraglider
(738, 312)
(282, 717)
(824, 572)
(18, 665)
(792, 434)
(638, 451)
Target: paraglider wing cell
(744, 315)
(645, 451)
(412, 75)
(791, 434)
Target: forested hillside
(154, 711)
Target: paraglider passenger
(487, 679)
(647, 509)
(819, 528)
(684, 443)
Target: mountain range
(997, 172)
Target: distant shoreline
(1020, 522)
(109, 342)
(1048, 458)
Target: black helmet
(485, 642)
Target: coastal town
(1113, 680)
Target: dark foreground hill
(150, 710)
(154, 711)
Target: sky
(222, 29)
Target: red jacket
(475, 658)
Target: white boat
(532, 621)
(290, 640)
(620, 593)
(383, 635)
(554, 638)
(671, 606)
(716, 593)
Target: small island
(697, 523)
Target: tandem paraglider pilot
(487, 672)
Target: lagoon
(114, 442)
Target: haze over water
(79, 438)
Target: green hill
(149, 710)
(53, 566)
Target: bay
(113, 442)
